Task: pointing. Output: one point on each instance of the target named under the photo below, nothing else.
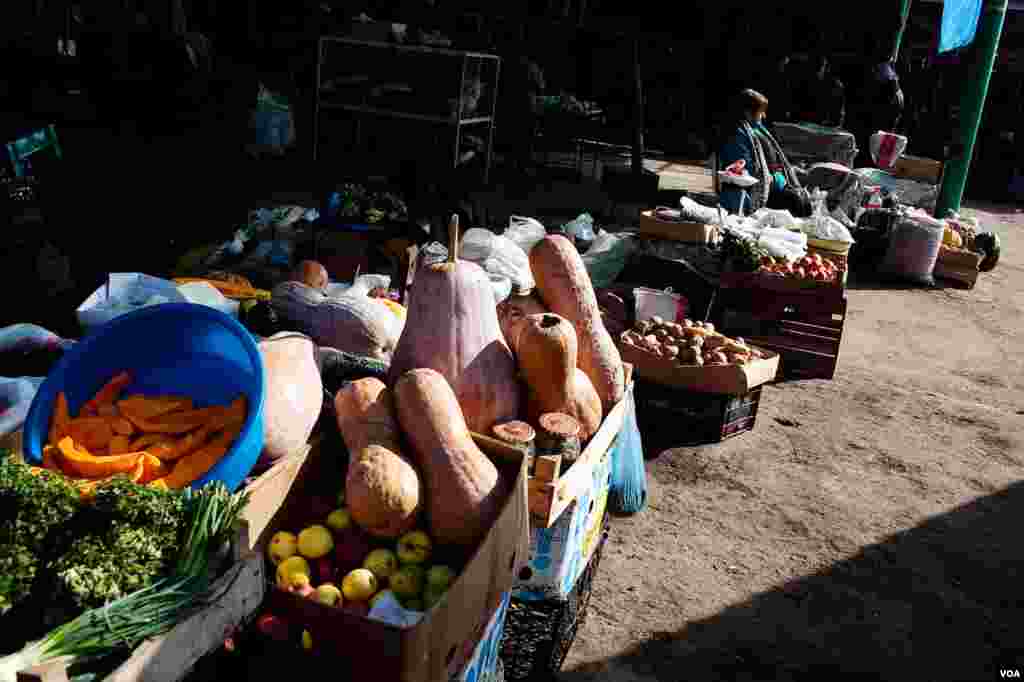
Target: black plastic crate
(671, 417)
(539, 634)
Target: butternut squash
(452, 327)
(515, 308)
(383, 490)
(464, 488)
(352, 322)
(294, 394)
(546, 349)
(565, 287)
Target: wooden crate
(776, 284)
(806, 331)
(650, 226)
(551, 492)
(918, 168)
(671, 417)
(234, 596)
(958, 266)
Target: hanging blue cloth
(959, 23)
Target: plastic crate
(539, 634)
(672, 417)
(805, 330)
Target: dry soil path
(868, 528)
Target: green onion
(126, 622)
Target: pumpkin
(546, 349)
(464, 491)
(352, 322)
(294, 394)
(565, 287)
(517, 307)
(383, 490)
(452, 327)
(312, 274)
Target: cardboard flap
(441, 644)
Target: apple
(431, 596)
(414, 547)
(282, 545)
(324, 570)
(339, 520)
(440, 577)
(328, 594)
(351, 547)
(298, 584)
(382, 562)
(288, 567)
(359, 585)
(408, 581)
(273, 627)
(307, 640)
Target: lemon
(307, 640)
(282, 546)
(315, 542)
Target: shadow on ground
(941, 601)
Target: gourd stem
(453, 238)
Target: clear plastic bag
(607, 257)
(16, 397)
(581, 228)
(914, 243)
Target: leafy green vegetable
(34, 511)
(739, 253)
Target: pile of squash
(163, 441)
(463, 365)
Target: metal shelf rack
(476, 61)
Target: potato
(716, 358)
(709, 327)
(657, 320)
(714, 342)
(687, 356)
(652, 340)
(687, 323)
(696, 342)
(670, 351)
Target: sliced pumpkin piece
(121, 426)
(50, 459)
(190, 468)
(151, 407)
(92, 433)
(83, 463)
(60, 419)
(145, 440)
(107, 411)
(153, 468)
(87, 489)
(121, 445)
(106, 395)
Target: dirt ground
(867, 528)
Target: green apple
(414, 547)
(328, 594)
(431, 596)
(381, 562)
(339, 520)
(407, 582)
(440, 577)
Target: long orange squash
(189, 468)
(106, 395)
(565, 287)
(82, 463)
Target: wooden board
(918, 168)
(550, 492)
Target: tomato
(817, 258)
(767, 260)
(800, 272)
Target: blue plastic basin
(171, 349)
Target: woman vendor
(777, 186)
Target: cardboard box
(441, 645)
(671, 417)
(727, 379)
(699, 233)
(483, 663)
(559, 554)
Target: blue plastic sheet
(959, 23)
(627, 492)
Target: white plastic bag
(668, 306)
(914, 243)
(581, 228)
(524, 232)
(497, 255)
(123, 293)
(771, 217)
(16, 397)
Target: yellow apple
(339, 519)
(382, 562)
(282, 545)
(359, 585)
(315, 542)
(414, 547)
(407, 582)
